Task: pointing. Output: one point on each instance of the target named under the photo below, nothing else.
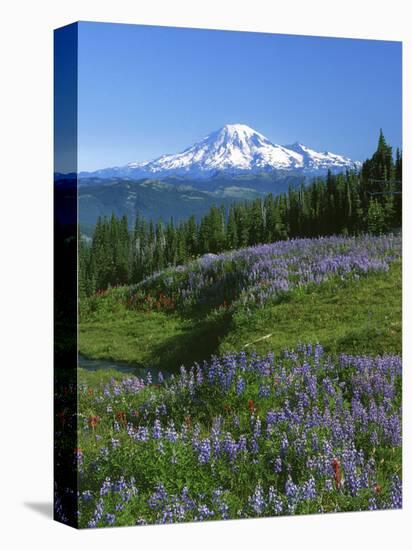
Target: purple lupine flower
(158, 498)
(188, 503)
(241, 447)
(205, 451)
(275, 502)
(284, 444)
(204, 512)
(110, 518)
(240, 386)
(309, 489)
(257, 428)
(292, 495)
(106, 487)
(157, 429)
(230, 447)
(257, 501)
(142, 434)
(215, 435)
(372, 505)
(170, 432)
(278, 465)
(97, 514)
(264, 390)
(396, 493)
(217, 499)
(161, 409)
(199, 375)
(352, 477)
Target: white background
(26, 269)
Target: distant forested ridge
(350, 203)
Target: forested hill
(155, 199)
(351, 203)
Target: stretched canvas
(227, 275)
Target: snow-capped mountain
(232, 150)
(314, 161)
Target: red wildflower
(337, 472)
(93, 420)
(121, 417)
(377, 488)
(251, 405)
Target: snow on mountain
(234, 149)
(313, 160)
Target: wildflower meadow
(242, 437)
(242, 433)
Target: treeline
(350, 203)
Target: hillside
(343, 292)
(172, 197)
(152, 199)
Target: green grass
(350, 317)
(151, 338)
(355, 317)
(100, 377)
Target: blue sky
(145, 91)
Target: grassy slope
(356, 317)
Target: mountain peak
(238, 128)
(298, 146)
(237, 134)
(236, 149)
